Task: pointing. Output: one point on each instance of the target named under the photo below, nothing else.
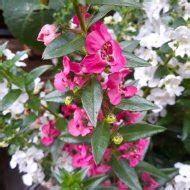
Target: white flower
(3, 89)
(184, 70)
(181, 43)
(64, 161)
(27, 162)
(117, 18)
(27, 179)
(171, 83)
(144, 75)
(108, 20)
(38, 85)
(161, 98)
(155, 39)
(154, 7)
(9, 55)
(17, 108)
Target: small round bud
(68, 100)
(117, 139)
(111, 119)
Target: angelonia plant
(82, 128)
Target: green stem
(53, 113)
(44, 2)
(79, 16)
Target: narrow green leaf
(125, 173)
(170, 172)
(100, 141)
(55, 96)
(136, 103)
(128, 45)
(144, 166)
(35, 73)
(81, 174)
(92, 100)
(93, 182)
(134, 61)
(60, 47)
(74, 140)
(9, 99)
(139, 130)
(103, 10)
(186, 128)
(129, 3)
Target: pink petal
(130, 91)
(93, 64)
(114, 96)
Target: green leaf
(74, 140)
(92, 100)
(93, 182)
(2, 47)
(144, 166)
(179, 22)
(103, 10)
(136, 103)
(16, 80)
(139, 130)
(61, 124)
(186, 127)
(100, 141)
(125, 173)
(128, 45)
(170, 172)
(55, 96)
(160, 72)
(129, 3)
(60, 47)
(34, 103)
(134, 61)
(25, 18)
(35, 73)
(9, 99)
(165, 48)
(81, 174)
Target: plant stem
(53, 113)
(79, 16)
(44, 2)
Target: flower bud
(68, 100)
(117, 139)
(111, 118)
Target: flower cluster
(28, 162)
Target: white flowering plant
(118, 74)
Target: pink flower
(121, 186)
(49, 132)
(116, 88)
(148, 182)
(80, 124)
(128, 117)
(47, 34)
(69, 78)
(133, 151)
(102, 51)
(82, 158)
(75, 19)
(68, 110)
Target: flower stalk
(79, 15)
